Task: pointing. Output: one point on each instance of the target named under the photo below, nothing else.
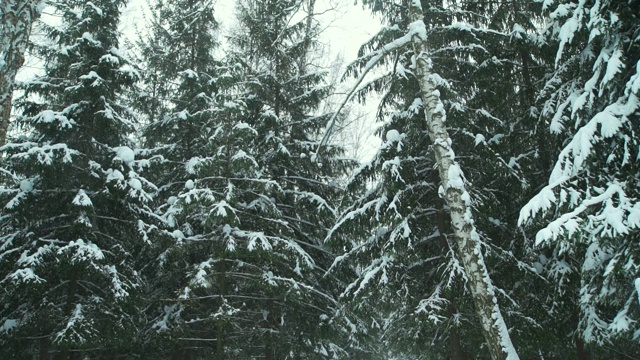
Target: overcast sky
(347, 26)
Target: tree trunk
(457, 198)
(582, 353)
(270, 327)
(220, 324)
(43, 350)
(16, 17)
(456, 346)
(302, 66)
(455, 341)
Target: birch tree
(16, 18)
(450, 180)
(455, 194)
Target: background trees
(246, 209)
(201, 212)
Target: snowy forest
(189, 194)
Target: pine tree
(74, 203)
(178, 98)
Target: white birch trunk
(16, 18)
(453, 188)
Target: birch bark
(16, 18)
(457, 198)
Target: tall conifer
(73, 201)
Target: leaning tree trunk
(457, 198)
(16, 18)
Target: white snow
(454, 177)
(417, 28)
(538, 267)
(183, 115)
(567, 31)
(245, 126)
(135, 184)
(88, 37)
(25, 275)
(192, 164)
(190, 74)
(393, 136)
(108, 58)
(95, 8)
(50, 116)
(26, 185)
(114, 175)
(177, 234)
(9, 324)
(220, 209)
(82, 199)
(92, 75)
(615, 64)
(125, 154)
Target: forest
(189, 194)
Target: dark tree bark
(16, 19)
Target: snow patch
(394, 136)
(82, 199)
(26, 185)
(135, 184)
(177, 234)
(454, 176)
(125, 154)
(8, 325)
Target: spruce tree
(588, 210)
(74, 203)
(287, 95)
(241, 264)
(178, 97)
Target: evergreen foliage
(403, 225)
(195, 209)
(244, 204)
(590, 203)
(74, 201)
